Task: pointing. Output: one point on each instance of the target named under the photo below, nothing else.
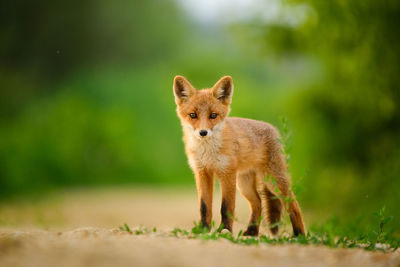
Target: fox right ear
(223, 90)
(183, 89)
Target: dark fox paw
(252, 230)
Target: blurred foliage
(86, 98)
(43, 42)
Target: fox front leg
(228, 188)
(204, 183)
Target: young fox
(240, 152)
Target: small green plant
(125, 228)
(179, 232)
(379, 236)
(199, 228)
(285, 141)
(383, 220)
(140, 231)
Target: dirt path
(80, 229)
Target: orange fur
(240, 152)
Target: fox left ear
(223, 90)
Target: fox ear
(183, 90)
(223, 90)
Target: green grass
(331, 234)
(140, 231)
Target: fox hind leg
(273, 210)
(296, 217)
(291, 205)
(276, 167)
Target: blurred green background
(86, 92)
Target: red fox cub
(240, 152)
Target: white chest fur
(205, 153)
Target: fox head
(202, 112)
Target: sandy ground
(80, 228)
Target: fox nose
(203, 132)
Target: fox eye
(213, 115)
(193, 115)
